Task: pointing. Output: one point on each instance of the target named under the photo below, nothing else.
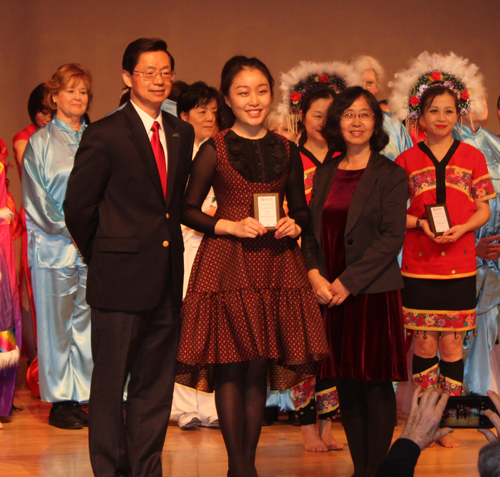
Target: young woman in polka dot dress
(249, 305)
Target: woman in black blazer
(358, 209)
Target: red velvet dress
(364, 332)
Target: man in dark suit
(123, 211)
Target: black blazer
(375, 229)
(127, 233)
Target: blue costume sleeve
(399, 139)
(477, 365)
(47, 163)
(488, 271)
(38, 202)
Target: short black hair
(199, 94)
(177, 88)
(143, 45)
(331, 130)
(35, 102)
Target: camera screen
(462, 416)
(466, 412)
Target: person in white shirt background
(196, 105)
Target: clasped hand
(450, 236)
(251, 228)
(327, 293)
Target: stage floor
(30, 447)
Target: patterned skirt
(439, 305)
(249, 299)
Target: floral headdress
(452, 71)
(309, 77)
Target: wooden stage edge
(30, 447)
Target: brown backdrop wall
(38, 36)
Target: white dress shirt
(148, 121)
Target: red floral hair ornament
(309, 76)
(451, 71)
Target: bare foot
(325, 432)
(312, 441)
(449, 441)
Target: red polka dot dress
(248, 298)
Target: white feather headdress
(452, 71)
(307, 76)
(6, 214)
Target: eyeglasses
(361, 116)
(151, 75)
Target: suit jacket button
(349, 242)
(167, 216)
(166, 243)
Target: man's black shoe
(62, 416)
(80, 414)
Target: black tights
(368, 411)
(240, 398)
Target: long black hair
(225, 116)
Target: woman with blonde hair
(372, 76)
(275, 122)
(59, 275)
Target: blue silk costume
(477, 366)
(59, 274)
(399, 139)
(169, 106)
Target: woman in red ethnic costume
(439, 271)
(39, 117)
(248, 302)
(10, 311)
(309, 90)
(313, 147)
(315, 399)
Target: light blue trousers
(63, 326)
(477, 365)
(282, 399)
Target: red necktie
(159, 156)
